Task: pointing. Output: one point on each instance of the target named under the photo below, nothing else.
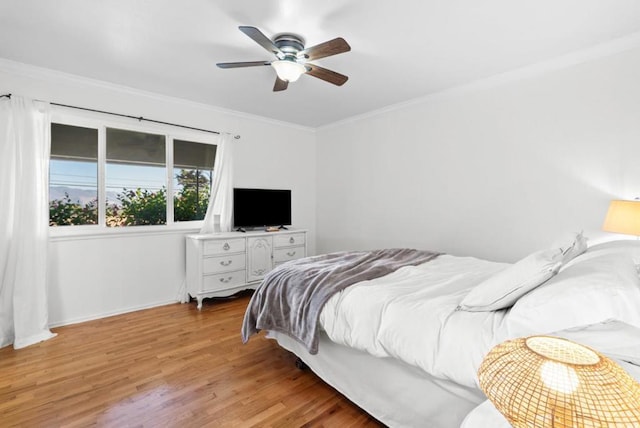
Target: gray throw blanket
(291, 297)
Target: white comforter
(411, 315)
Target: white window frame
(101, 122)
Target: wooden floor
(172, 366)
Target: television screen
(261, 207)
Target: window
(192, 172)
(73, 176)
(128, 184)
(136, 189)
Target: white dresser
(222, 264)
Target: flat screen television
(261, 208)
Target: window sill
(70, 233)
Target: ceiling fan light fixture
(292, 56)
(288, 70)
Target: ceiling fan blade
(332, 47)
(242, 64)
(261, 39)
(326, 75)
(280, 85)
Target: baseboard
(110, 314)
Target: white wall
(98, 276)
(495, 170)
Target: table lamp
(623, 217)
(543, 381)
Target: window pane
(193, 170)
(135, 178)
(73, 175)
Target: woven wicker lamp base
(543, 381)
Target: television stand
(241, 230)
(221, 264)
(283, 227)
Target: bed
(406, 346)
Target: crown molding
(47, 74)
(592, 53)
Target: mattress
(395, 393)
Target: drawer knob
(291, 240)
(227, 263)
(225, 280)
(226, 246)
(291, 253)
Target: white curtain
(24, 221)
(221, 199)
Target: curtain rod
(140, 118)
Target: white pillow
(595, 287)
(577, 247)
(503, 289)
(613, 338)
(630, 247)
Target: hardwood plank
(171, 366)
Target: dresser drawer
(281, 255)
(223, 246)
(223, 263)
(288, 240)
(223, 281)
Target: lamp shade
(543, 381)
(288, 70)
(623, 217)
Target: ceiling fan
(292, 56)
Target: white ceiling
(401, 50)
